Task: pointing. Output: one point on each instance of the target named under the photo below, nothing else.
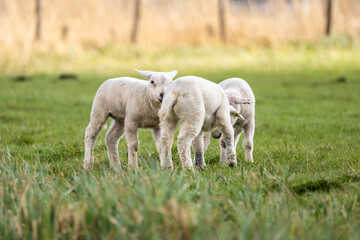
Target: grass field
(304, 183)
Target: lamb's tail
(167, 105)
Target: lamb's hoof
(188, 168)
(167, 168)
(232, 164)
(201, 167)
(224, 162)
(134, 167)
(116, 166)
(87, 166)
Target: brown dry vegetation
(94, 23)
(95, 35)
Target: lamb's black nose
(161, 95)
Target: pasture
(303, 184)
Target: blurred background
(61, 26)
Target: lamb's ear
(235, 113)
(173, 74)
(240, 100)
(145, 74)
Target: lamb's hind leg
(199, 148)
(113, 135)
(167, 131)
(188, 132)
(97, 120)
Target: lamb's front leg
(237, 132)
(229, 144)
(156, 133)
(223, 154)
(227, 138)
(132, 143)
(249, 131)
(198, 146)
(206, 139)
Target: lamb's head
(234, 108)
(236, 103)
(158, 83)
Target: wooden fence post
(328, 17)
(135, 28)
(2, 4)
(38, 9)
(222, 21)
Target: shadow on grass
(323, 185)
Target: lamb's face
(158, 83)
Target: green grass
(304, 183)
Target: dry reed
(93, 23)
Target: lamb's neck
(153, 104)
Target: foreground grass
(304, 182)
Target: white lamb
(133, 104)
(242, 98)
(201, 106)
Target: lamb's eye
(152, 82)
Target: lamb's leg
(112, 138)
(223, 154)
(206, 139)
(198, 146)
(188, 132)
(167, 131)
(132, 143)
(223, 157)
(249, 131)
(229, 144)
(227, 138)
(97, 120)
(237, 133)
(156, 133)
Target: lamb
(201, 106)
(132, 103)
(242, 98)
